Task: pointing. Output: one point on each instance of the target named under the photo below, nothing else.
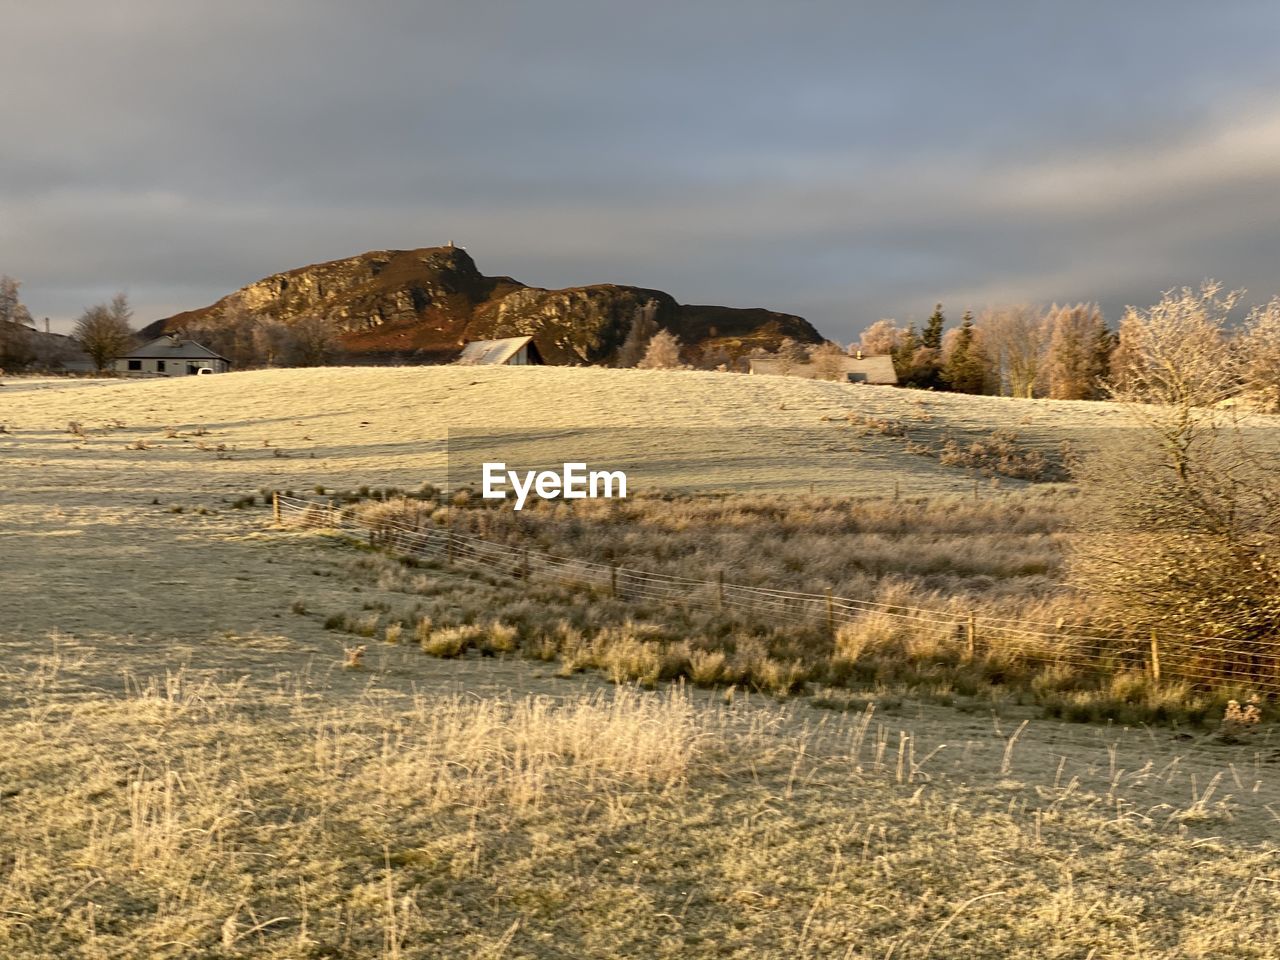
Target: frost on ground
(192, 771)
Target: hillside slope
(421, 305)
(674, 429)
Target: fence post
(275, 506)
(613, 580)
(831, 614)
(895, 489)
(1155, 657)
(720, 590)
(524, 565)
(971, 635)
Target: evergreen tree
(965, 369)
(932, 336)
(904, 355)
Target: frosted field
(191, 771)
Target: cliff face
(422, 305)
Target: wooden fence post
(831, 614)
(275, 506)
(613, 580)
(971, 636)
(720, 590)
(1155, 657)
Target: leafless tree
(17, 343)
(828, 361)
(881, 338)
(313, 342)
(232, 334)
(104, 331)
(271, 342)
(1181, 510)
(663, 352)
(1077, 357)
(1014, 339)
(644, 324)
(1259, 356)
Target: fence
(1206, 662)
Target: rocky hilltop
(406, 306)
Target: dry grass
(194, 774)
(198, 816)
(996, 559)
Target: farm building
(171, 356)
(877, 369)
(510, 352)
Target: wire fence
(1203, 662)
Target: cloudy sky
(840, 160)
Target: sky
(843, 161)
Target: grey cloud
(843, 161)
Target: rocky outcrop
(422, 305)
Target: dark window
(135, 364)
(159, 366)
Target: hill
(676, 429)
(420, 306)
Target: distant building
(171, 356)
(511, 352)
(877, 369)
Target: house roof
(172, 348)
(494, 352)
(876, 369)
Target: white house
(171, 356)
(511, 352)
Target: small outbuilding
(171, 356)
(509, 352)
(862, 369)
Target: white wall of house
(167, 368)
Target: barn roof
(170, 347)
(874, 369)
(494, 352)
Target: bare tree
(1259, 356)
(663, 352)
(313, 341)
(1176, 353)
(1181, 510)
(104, 331)
(17, 340)
(12, 309)
(271, 342)
(644, 325)
(1014, 339)
(1077, 358)
(232, 334)
(882, 337)
(828, 361)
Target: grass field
(194, 771)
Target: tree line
(1068, 352)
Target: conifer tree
(965, 369)
(932, 336)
